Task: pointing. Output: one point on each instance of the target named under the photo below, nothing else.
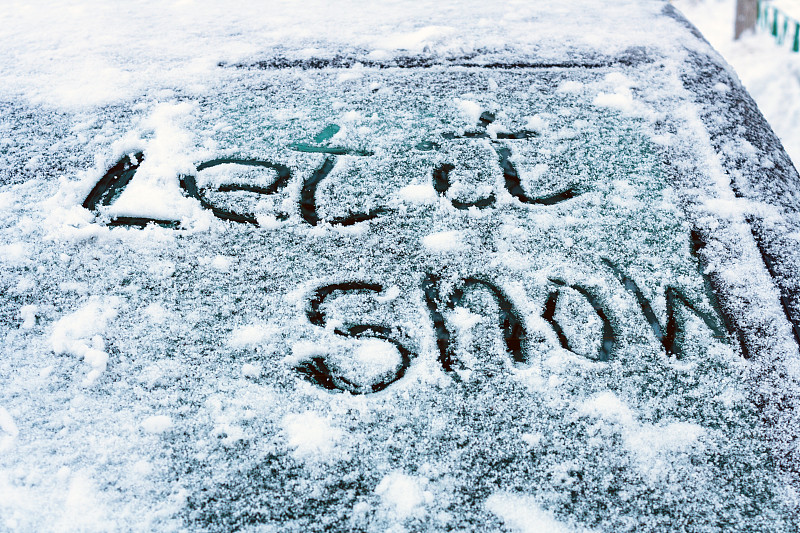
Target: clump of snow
(463, 318)
(374, 352)
(621, 99)
(650, 441)
(157, 423)
(470, 110)
(15, 253)
(389, 294)
(522, 514)
(221, 263)
(251, 335)
(418, 194)
(402, 493)
(608, 406)
(443, 241)
(8, 429)
(84, 509)
(28, 315)
(156, 312)
(310, 435)
(78, 334)
(650, 444)
(306, 349)
(570, 86)
(154, 191)
(250, 370)
(414, 41)
(537, 123)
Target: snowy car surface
(497, 269)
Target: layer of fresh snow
(286, 372)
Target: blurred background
(765, 54)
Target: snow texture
(373, 266)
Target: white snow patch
(414, 41)
(608, 406)
(403, 494)
(156, 313)
(532, 439)
(8, 428)
(310, 435)
(268, 221)
(28, 315)
(444, 241)
(537, 123)
(649, 441)
(250, 370)
(651, 444)
(462, 318)
(350, 74)
(470, 110)
(221, 263)
(78, 334)
(621, 99)
(157, 423)
(536, 172)
(303, 350)
(570, 87)
(14, 254)
(7, 200)
(83, 508)
(389, 295)
(251, 335)
(374, 352)
(521, 513)
(418, 194)
(154, 191)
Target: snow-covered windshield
(437, 297)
